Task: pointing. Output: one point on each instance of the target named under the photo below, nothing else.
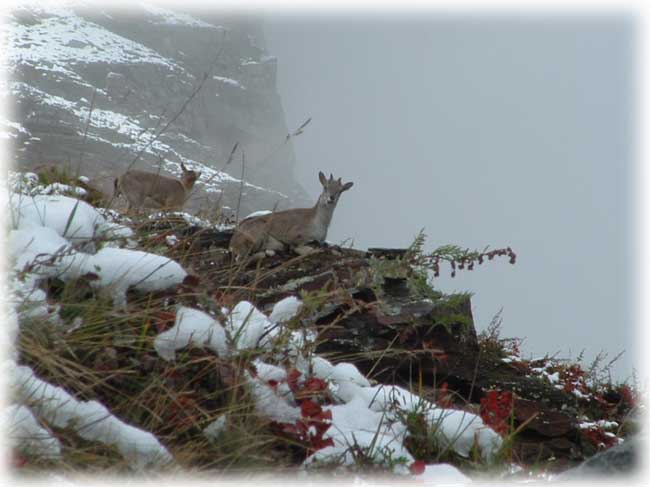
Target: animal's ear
(198, 175)
(347, 186)
(321, 178)
(183, 167)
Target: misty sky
(485, 131)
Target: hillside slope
(141, 345)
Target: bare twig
(241, 183)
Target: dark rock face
(92, 89)
(620, 460)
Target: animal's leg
(273, 244)
(304, 250)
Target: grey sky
(485, 131)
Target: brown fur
(289, 228)
(149, 190)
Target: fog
(482, 130)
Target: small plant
(457, 257)
(308, 431)
(497, 410)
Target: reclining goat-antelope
(289, 228)
(149, 190)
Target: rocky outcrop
(372, 309)
(620, 460)
(98, 91)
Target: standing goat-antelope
(149, 190)
(289, 228)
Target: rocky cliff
(98, 91)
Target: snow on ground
(191, 327)
(169, 17)
(30, 301)
(46, 254)
(285, 309)
(11, 129)
(215, 428)
(187, 218)
(455, 429)
(89, 419)
(121, 269)
(269, 404)
(44, 240)
(443, 474)
(26, 432)
(244, 327)
(135, 137)
(42, 243)
(61, 37)
(228, 81)
(248, 327)
(353, 424)
(71, 218)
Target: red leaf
(309, 408)
(292, 379)
(417, 467)
(628, 396)
(318, 443)
(314, 384)
(496, 408)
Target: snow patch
(89, 419)
(285, 309)
(191, 327)
(248, 327)
(169, 17)
(353, 424)
(26, 433)
(37, 244)
(228, 81)
(215, 428)
(60, 38)
(442, 474)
